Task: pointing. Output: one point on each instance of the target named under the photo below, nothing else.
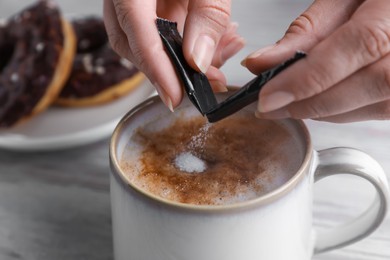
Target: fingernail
(257, 53)
(218, 86)
(232, 48)
(261, 51)
(203, 52)
(278, 114)
(164, 97)
(275, 101)
(243, 63)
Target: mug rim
(264, 199)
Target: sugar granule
(187, 162)
(199, 140)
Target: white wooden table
(55, 205)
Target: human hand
(209, 39)
(346, 75)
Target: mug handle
(342, 160)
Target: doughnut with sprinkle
(99, 75)
(37, 47)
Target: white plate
(59, 128)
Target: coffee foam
(245, 158)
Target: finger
(116, 36)
(217, 79)
(316, 23)
(146, 47)
(367, 86)
(230, 48)
(173, 10)
(206, 22)
(378, 111)
(356, 44)
(229, 44)
(227, 37)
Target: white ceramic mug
(275, 226)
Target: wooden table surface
(56, 204)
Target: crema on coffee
(244, 158)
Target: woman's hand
(346, 75)
(209, 39)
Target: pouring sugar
(187, 162)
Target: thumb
(206, 22)
(311, 27)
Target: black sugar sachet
(249, 92)
(195, 83)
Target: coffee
(241, 158)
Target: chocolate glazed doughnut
(37, 49)
(99, 75)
